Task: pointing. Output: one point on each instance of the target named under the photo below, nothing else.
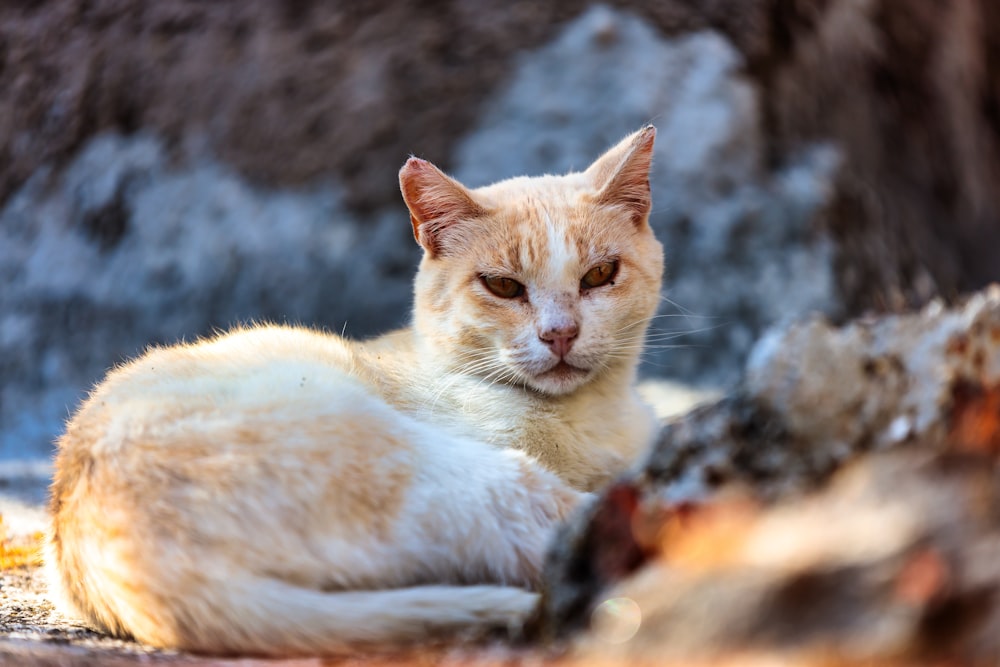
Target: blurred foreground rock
(897, 562)
(733, 543)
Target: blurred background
(172, 167)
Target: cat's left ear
(621, 175)
(436, 202)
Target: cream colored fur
(281, 491)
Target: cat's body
(282, 491)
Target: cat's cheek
(471, 339)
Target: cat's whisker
(479, 362)
(474, 356)
(685, 312)
(499, 374)
(443, 386)
(640, 343)
(687, 332)
(493, 376)
(628, 353)
(648, 320)
(660, 335)
(471, 369)
(470, 358)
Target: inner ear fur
(621, 175)
(436, 202)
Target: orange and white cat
(277, 490)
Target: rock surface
(895, 563)
(712, 552)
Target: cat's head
(546, 282)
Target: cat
(281, 491)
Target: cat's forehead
(553, 206)
(527, 191)
(547, 225)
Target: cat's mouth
(564, 370)
(560, 379)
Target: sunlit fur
(281, 491)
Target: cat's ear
(436, 202)
(621, 175)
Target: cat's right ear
(436, 202)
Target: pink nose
(560, 340)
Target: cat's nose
(560, 339)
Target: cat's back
(222, 386)
(256, 364)
(193, 401)
(203, 444)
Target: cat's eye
(505, 288)
(602, 274)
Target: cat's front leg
(482, 514)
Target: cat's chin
(563, 378)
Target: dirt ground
(33, 633)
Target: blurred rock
(742, 245)
(814, 398)
(671, 399)
(283, 92)
(897, 563)
(815, 395)
(910, 95)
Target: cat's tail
(273, 618)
